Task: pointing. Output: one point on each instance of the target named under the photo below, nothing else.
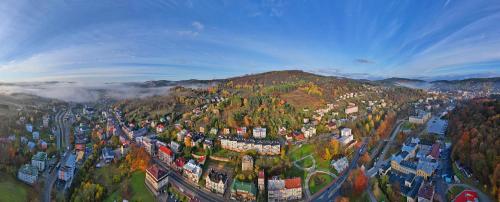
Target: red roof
(300, 136)
(166, 150)
(466, 196)
(180, 162)
(293, 183)
(261, 174)
(435, 151)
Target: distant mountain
(471, 84)
(167, 83)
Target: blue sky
(144, 40)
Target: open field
(12, 190)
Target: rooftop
(156, 172)
(40, 156)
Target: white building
(340, 164)
(308, 131)
(346, 136)
(192, 171)
(259, 133)
(216, 181)
(156, 179)
(28, 174)
(38, 160)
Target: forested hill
(474, 129)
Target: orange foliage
(138, 158)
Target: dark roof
(156, 172)
(409, 164)
(426, 191)
(217, 176)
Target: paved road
(63, 128)
(199, 193)
(381, 159)
(330, 192)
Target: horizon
(179, 40)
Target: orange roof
(293, 183)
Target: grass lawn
(140, 192)
(318, 181)
(306, 163)
(11, 189)
(302, 151)
(139, 189)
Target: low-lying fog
(79, 92)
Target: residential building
(284, 190)
(192, 171)
(308, 131)
(247, 163)
(467, 196)
(156, 179)
(241, 131)
(28, 174)
(29, 127)
(420, 118)
(149, 145)
(259, 133)
(166, 155)
(67, 170)
(36, 135)
(261, 181)
(216, 181)
(108, 154)
(176, 147)
(238, 144)
(340, 165)
(243, 191)
(426, 193)
(38, 160)
(351, 109)
(346, 137)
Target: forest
(473, 127)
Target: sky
(110, 41)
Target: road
(381, 159)
(330, 192)
(63, 136)
(199, 193)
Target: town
(354, 147)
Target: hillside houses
(263, 147)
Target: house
(156, 179)
(434, 154)
(346, 137)
(216, 181)
(67, 170)
(42, 144)
(192, 171)
(261, 181)
(246, 163)
(38, 160)
(166, 155)
(241, 131)
(243, 191)
(308, 131)
(259, 133)
(208, 144)
(31, 145)
(179, 164)
(149, 145)
(29, 127)
(36, 135)
(108, 154)
(426, 193)
(351, 109)
(467, 196)
(181, 134)
(28, 174)
(340, 165)
(160, 128)
(176, 147)
(284, 190)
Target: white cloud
(197, 25)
